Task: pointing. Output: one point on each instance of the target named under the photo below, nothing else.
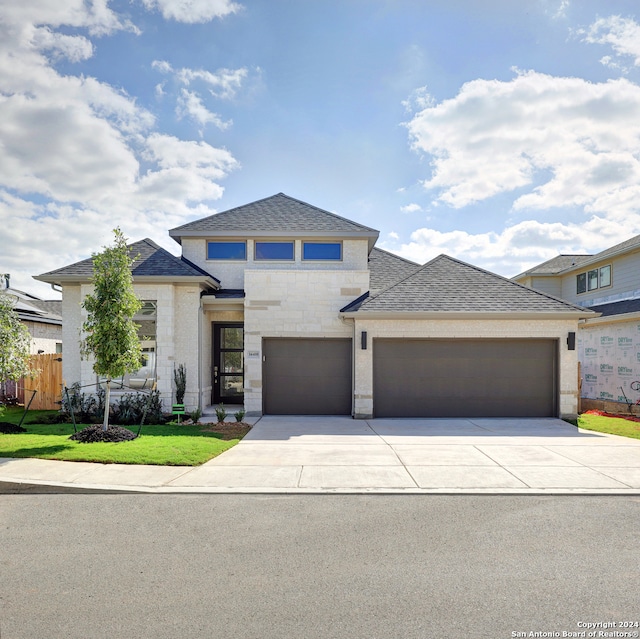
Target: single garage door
(464, 378)
(306, 376)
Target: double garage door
(414, 377)
(464, 378)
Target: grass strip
(163, 445)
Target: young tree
(111, 334)
(15, 343)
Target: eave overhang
(371, 237)
(612, 319)
(204, 281)
(467, 315)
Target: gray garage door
(306, 376)
(464, 378)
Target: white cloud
(192, 11)
(93, 15)
(622, 34)
(223, 84)
(411, 208)
(420, 98)
(162, 66)
(80, 157)
(517, 247)
(74, 48)
(190, 105)
(560, 141)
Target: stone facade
(281, 303)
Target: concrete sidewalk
(301, 454)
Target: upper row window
(280, 251)
(321, 251)
(226, 250)
(593, 279)
(274, 250)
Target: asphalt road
(321, 566)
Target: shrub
(221, 413)
(132, 407)
(128, 409)
(196, 415)
(239, 415)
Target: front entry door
(228, 364)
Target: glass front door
(228, 364)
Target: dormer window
(226, 250)
(280, 251)
(322, 251)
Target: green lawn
(164, 445)
(611, 425)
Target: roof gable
(152, 261)
(447, 285)
(276, 215)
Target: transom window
(321, 250)
(226, 250)
(274, 251)
(594, 279)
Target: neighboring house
(608, 345)
(43, 318)
(287, 308)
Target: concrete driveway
(338, 454)
(300, 453)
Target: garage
(306, 376)
(465, 378)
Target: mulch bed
(631, 418)
(9, 429)
(228, 430)
(95, 433)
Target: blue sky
(498, 132)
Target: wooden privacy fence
(47, 383)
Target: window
(594, 279)
(582, 283)
(226, 250)
(321, 251)
(274, 250)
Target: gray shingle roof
(447, 285)
(31, 308)
(387, 268)
(152, 261)
(617, 308)
(278, 213)
(556, 265)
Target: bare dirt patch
(228, 430)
